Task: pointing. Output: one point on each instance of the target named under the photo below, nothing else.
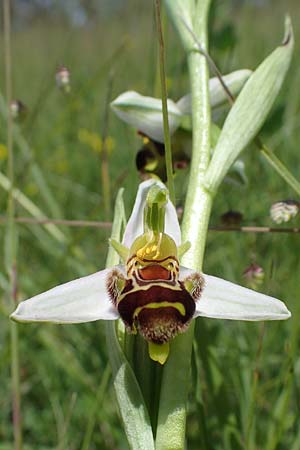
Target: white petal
(224, 300)
(82, 300)
(145, 114)
(135, 225)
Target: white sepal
(82, 300)
(135, 225)
(145, 114)
(221, 299)
(234, 81)
(185, 272)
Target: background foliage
(245, 392)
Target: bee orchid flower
(151, 292)
(145, 113)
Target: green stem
(11, 236)
(281, 169)
(167, 139)
(198, 201)
(97, 406)
(105, 179)
(254, 391)
(195, 227)
(145, 372)
(174, 390)
(8, 82)
(16, 390)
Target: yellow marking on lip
(149, 285)
(155, 305)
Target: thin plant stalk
(105, 179)
(92, 417)
(63, 441)
(167, 139)
(254, 389)
(11, 237)
(8, 84)
(280, 168)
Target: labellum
(151, 297)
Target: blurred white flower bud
(284, 210)
(63, 78)
(18, 109)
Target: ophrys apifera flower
(151, 292)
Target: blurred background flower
(284, 211)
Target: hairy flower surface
(151, 292)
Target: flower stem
(174, 389)
(167, 139)
(198, 200)
(11, 237)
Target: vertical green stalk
(8, 84)
(250, 423)
(106, 191)
(167, 139)
(174, 390)
(11, 236)
(198, 200)
(92, 414)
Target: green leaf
(250, 110)
(236, 174)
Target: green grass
(245, 385)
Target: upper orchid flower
(145, 113)
(150, 292)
